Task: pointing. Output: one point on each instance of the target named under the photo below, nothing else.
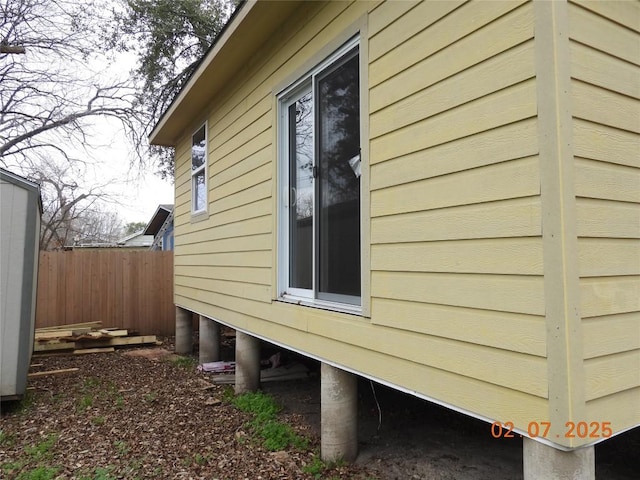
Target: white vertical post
(339, 414)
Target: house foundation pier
(542, 462)
(184, 331)
(339, 414)
(247, 363)
(209, 340)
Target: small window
(199, 170)
(319, 259)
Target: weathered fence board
(125, 289)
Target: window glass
(321, 169)
(339, 183)
(198, 170)
(301, 192)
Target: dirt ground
(124, 416)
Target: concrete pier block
(339, 414)
(184, 331)
(209, 340)
(247, 363)
(542, 462)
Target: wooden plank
(70, 326)
(84, 351)
(52, 372)
(124, 341)
(49, 346)
(114, 332)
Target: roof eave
(250, 26)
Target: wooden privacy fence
(126, 289)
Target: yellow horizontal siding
(243, 167)
(252, 194)
(506, 293)
(508, 331)
(235, 244)
(257, 292)
(260, 275)
(620, 11)
(506, 256)
(463, 21)
(621, 409)
(518, 178)
(490, 365)
(285, 321)
(599, 142)
(246, 135)
(515, 66)
(611, 334)
(608, 257)
(501, 108)
(241, 259)
(508, 218)
(499, 36)
(603, 218)
(513, 141)
(607, 181)
(609, 295)
(605, 107)
(413, 22)
(612, 374)
(603, 34)
(252, 226)
(385, 13)
(605, 71)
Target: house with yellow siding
(441, 196)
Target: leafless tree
(72, 213)
(52, 83)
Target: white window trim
(284, 99)
(204, 168)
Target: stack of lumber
(89, 337)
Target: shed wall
(456, 298)
(605, 90)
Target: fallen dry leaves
(127, 416)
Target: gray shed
(20, 211)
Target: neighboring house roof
(138, 239)
(251, 25)
(158, 219)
